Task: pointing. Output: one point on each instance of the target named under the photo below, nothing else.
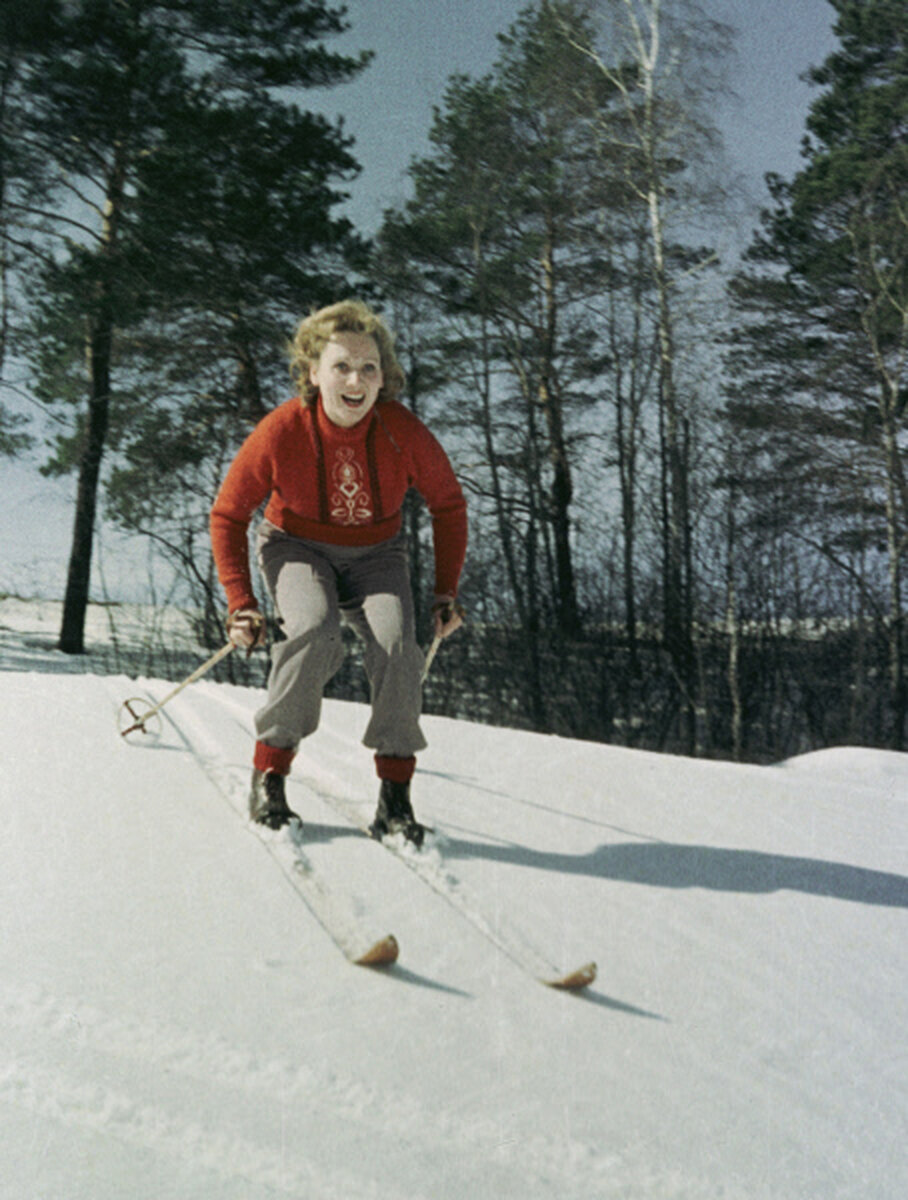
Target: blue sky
(418, 45)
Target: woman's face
(349, 377)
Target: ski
(332, 909)
(335, 914)
(573, 981)
(428, 865)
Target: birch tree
(663, 58)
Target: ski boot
(395, 814)
(267, 801)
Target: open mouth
(353, 401)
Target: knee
(319, 624)
(319, 644)
(390, 627)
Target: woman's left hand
(448, 615)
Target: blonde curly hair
(347, 316)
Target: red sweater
(341, 486)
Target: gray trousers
(314, 587)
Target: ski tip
(381, 954)
(574, 981)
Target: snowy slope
(174, 1023)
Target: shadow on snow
(671, 865)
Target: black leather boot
(268, 802)
(395, 814)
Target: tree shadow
(671, 865)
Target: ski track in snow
(53, 1096)
(93, 1037)
(329, 780)
(522, 1166)
(336, 911)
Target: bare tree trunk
(881, 271)
(627, 469)
(78, 581)
(733, 630)
(676, 618)
(5, 84)
(897, 690)
(502, 517)
(99, 351)
(562, 488)
(533, 628)
(858, 724)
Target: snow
(175, 1024)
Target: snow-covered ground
(175, 1025)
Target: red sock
(272, 758)
(398, 770)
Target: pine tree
(209, 360)
(826, 302)
(136, 108)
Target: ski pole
(455, 610)
(430, 654)
(196, 674)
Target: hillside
(175, 1024)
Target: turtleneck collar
(337, 433)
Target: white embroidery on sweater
(351, 503)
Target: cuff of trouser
(397, 770)
(272, 758)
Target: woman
(334, 465)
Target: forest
(685, 475)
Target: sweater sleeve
(437, 484)
(245, 486)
